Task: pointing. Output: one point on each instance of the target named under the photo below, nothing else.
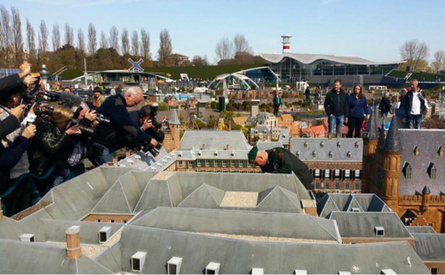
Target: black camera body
(153, 150)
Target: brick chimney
(73, 249)
(227, 147)
(203, 146)
(1, 210)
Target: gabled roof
(363, 224)
(346, 202)
(240, 256)
(240, 223)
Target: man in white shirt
(415, 105)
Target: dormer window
(357, 145)
(348, 154)
(297, 153)
(416, 151)
(314, 154)
(331, 154)
(407, 169)
(322, 144)
(432, 170)
(305, 144)
(441, 151)
(338, 144)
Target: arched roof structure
(238, 81)
(313, 58)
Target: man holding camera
(121, 130)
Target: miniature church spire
(392, 142)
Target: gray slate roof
(214, 140)
(430, 247)
(174, 120)
(420, 229)
(304, 148)
(392, 141)
(41, 258)
(240, 256)
(240, 223)
(345, 202)
(363, 224)
(277, 192)
(428, 142)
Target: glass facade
(290, 70)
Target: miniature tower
(286, 43)
(391, 166)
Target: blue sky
(371, 29)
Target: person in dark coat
(276, 103)
(336, 108)
(282, 161)
(122, 130)
(358, 111)
(385, 105)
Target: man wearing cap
(280, 160)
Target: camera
(153, 150)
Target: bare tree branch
(69, 35)
(103, 41)
(92, 40)
(165, 48)
(81, 40)
(241, 45)
(114, 38)
(43, 41)
(414, 53)
(56, 37)
(135, 43)
(125, 42)
(145, 45)
(224, 49)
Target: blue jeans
(336, 121)
(412, 118)
(101, 154)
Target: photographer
(55, 141)
(13, 157)
(148, 124)
(121, 130)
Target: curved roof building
(296, 66)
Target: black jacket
(335, 104)
(385, 105)
(408, 102)
(122, 130)
(280, 160)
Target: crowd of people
(46, 136)
(351, 108)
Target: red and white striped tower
(286, 43)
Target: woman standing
(358, 110)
